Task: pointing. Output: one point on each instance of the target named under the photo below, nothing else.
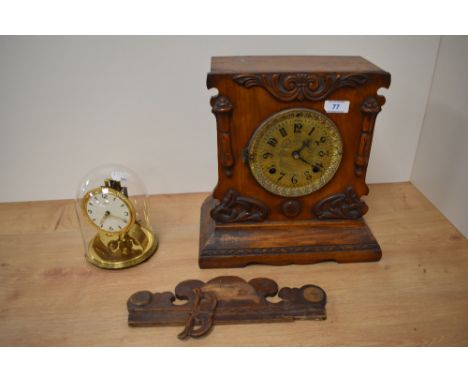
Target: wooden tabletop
(416, 295)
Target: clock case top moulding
(242, 223)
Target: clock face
(109, 210)
(295, 152)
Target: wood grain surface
(262, 64)
(416, 295)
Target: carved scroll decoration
(301, 86)
(370, 108)
(344, 205)
(225, 300)
(222, 109)
(236, 208)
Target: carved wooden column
(370, 108)
(222, 109)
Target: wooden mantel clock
(294, 138)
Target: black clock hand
(306, 162)
(104, 217)
(297, 153)
(305, 144)
(314, 167)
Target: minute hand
(116, 217)
(314, 167)
(306, 162)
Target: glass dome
(113, 211)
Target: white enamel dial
(109, 210)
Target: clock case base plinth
(239, 244)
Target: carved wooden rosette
(300, 86)
(237, 208)
(291, 207)
(345, 205)
(370, 108)
(225, 300)
(222, 109)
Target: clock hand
(105, 216)
(117, 217)
(297, 153)
(305, 144)
(305, 161)
(314, 167)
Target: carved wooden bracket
(222, 109)
(237, 208)
(344, 205)
(370, 108)
(300, 86)
(225, 300)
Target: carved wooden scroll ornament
(237, 208)
(301, 86)
(225, 300)
(344, 205)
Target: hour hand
(104, 217)
(305, 144)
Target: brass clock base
(111, 252)
(282, 243)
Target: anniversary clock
(294, 136)
(113, 213)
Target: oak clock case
(291, 171)
(113, 212)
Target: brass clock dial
(295, 152)
(109, 210)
